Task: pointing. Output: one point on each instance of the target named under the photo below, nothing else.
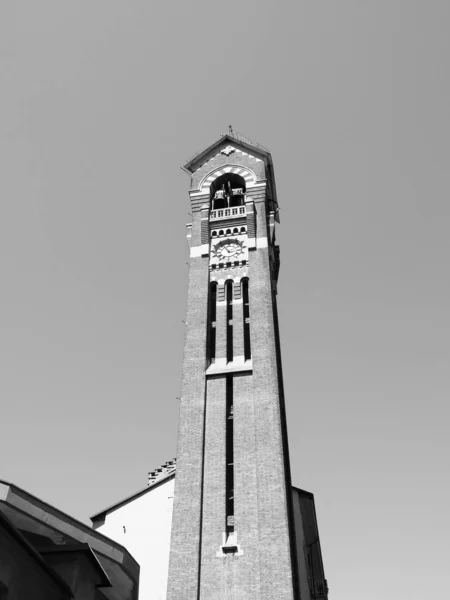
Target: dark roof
(21, 539)
(304, 492)
(83, 549)
(32, 515)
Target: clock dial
(228, 250)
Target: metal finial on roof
(230, 129)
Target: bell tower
(232, 526)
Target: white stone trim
(197, 251)
(248, 175)
(236, 365)
(196, 193)
(234, 150)
(262, 183)
(227, 542)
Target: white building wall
(143, 527)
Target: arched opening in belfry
(227, 191)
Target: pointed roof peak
(234, 138)
(240, 137)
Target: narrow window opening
(211, 339)
(246, 309)
(229, 297)
(229, 465)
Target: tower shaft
(232, 531)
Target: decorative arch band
(247, 174)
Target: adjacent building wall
(313, 584)
(143, 526)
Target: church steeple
(232, 527)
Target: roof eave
(131, 497)
(49, 516)
(82, 548)
(36, 555)
(304, 492)
(200, 158)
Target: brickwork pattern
(264, 570)
(219, 160)
(273, 518)
(246, 486)
(196, 206)
(221, 330)
(213, 521)
(251, 221)
(238, 322)
(185, 538)
(204, 226)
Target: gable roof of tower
(235, 139)
(162, 474)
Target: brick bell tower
(232, 528)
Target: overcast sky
(101, 102)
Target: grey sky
(101, 102)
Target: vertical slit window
(229, 298)
(229, 472)
(212, 311)
(246, 309)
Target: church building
(224, 521)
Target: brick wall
(185, 537)
(273, 518)
(264, 568)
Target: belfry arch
(246, 174)
(227, 190)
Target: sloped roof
(7, 525)
(163, 473)
(80, 548)
(34, 516)
(234, 138)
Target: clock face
(227, 250)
